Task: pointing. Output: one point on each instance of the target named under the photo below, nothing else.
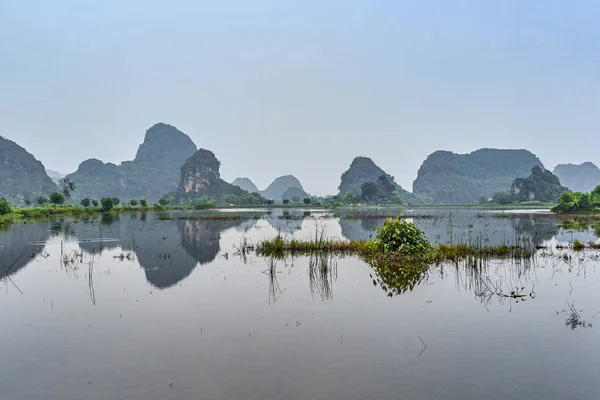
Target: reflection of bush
(398, 278)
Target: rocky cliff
(154, 171)
(22, 176)
(364, 173)
(449, 178)
(279, 186)
(246, 184)
(541, 185)
(201, 182)
(579, 178)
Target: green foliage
(204, 206)
(351, 198)
(504, 198)
(107, 203)
(399, 236)
(158, 207)
(41, 200)
(5, 207)
(57, 198)
(116, 201)
(383, 190)
(164, 202)
(68, 186)
(27, 202)
(85, 202)
(143, 202)
(133, 202)
(578, 202)
(541, 185)
(286, 201)
(95, 203)
(307, 200)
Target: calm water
(150, 306)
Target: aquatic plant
(397, 235)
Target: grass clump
(578, 246)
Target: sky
(302, 87)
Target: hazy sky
(302, 87)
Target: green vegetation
(397, 243)
(365, 182)
(5, 207)
(541, 185)
(107, 203)
(574, 202)
(57, 198)
(402, 237)
(204, 206)
(286, 201)
(143, 202)
(85, 202)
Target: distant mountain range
(154, 171)
(449, 178)
(169, 163)
(285, 187)
(579, 178)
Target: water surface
(152, 306)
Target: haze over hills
(449, 178)
(22, 176)
(578, 177)
(280, 185)
(154, 171)
(167, 163)
(246, 184)
(55, 176)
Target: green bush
(286, 201)
(400, 236)
(57, 198)
(5, 207)
(107, 203)
(306, 200)
(85, 202)
(143, 202)
(95, 203)
(133, 202)
(164, 202)
(204, 206)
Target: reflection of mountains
(158, 244)
(20, 243)
(465, 227)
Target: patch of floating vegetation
(377, 216)
(397, 242)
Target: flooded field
(165, 306)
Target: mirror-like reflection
(87, 286)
